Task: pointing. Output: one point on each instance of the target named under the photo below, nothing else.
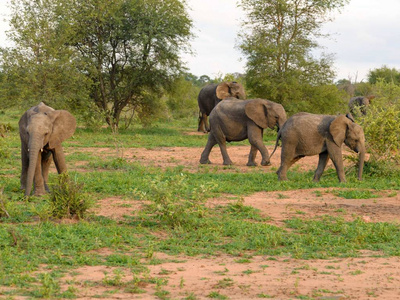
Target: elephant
(237, 120)
(359, 104)
(42, 129)
(306, 134)
(211, 95)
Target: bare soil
(365, 277)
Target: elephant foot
(228, 163)
(281, 177)
(39, 192)
(205, 162)
(251, 164)
(265, 163)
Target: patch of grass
(355, 194)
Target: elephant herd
(231, 118)
(303, 134)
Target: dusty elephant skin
(235, 120)
(306, 134)
(211, 95)
(42, 130)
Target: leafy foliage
(67, 199)
(40, 67)
(382, 123)
(278, 40)
(386, 74)
(119, 54)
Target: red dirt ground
(261, 277)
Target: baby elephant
(306, 134)
(42, 130)
(237, 120)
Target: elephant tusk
(41, 150)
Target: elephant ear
(222, 91)
(64, 126)
(338, 129)
(257, 111)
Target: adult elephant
(306, 134)
(211, 95)
(237, 120)
(42, 129)
(359, 105)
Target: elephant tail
(276, 143)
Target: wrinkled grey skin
(359, 105)
(42, 129)
(237, 120)
(211, 95)
(306, 134)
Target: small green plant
(49, 286)
(67, 200)
(216, 295)
(224, 283)
(3, 205)
(116, 280)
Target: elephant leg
(322, 162)
(59, 160)
(252, 156)
(224, 153)
(25, 165)
(335, 154)
(46, 161)
(211, 142)
(203, 123)
(201, 127)
(255, 136)
(339, 168)
(221, 140)
(206, 124)
(288, 158)
(38, 178)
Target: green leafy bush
(382, 128)
(67, 199)
(170, 205)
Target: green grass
(32, 246)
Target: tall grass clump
(67, 199)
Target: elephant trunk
(361, 159)
(34, 149)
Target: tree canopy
(120, 54)
(278, 40)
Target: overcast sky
(364, 36)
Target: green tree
(128, 51)
(384, 73)
(39, 67)
(182, 100)
(278, 39)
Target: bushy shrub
(67, 200)
(172, 208)
(382, 124)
